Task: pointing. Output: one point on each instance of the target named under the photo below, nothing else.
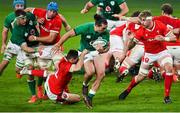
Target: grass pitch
(147, 96)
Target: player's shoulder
(11, 16)
(159, 23)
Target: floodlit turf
(147, 97)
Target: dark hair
(135, 14)
(72, 54)
(20, 12)
(145, 13)
(99, 20)
(167, 8)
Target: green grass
(147, 96)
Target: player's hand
(129, 34)
(85, 51)
(56, 49)
(159, 38)
(117, 16)
(83, 11)
(32, 38)
(40, 21)
(3, 47)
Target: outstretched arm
(65, 23)
(87, 7)
(78, 66)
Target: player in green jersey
(112, 10)
(91, 34)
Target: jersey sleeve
(81, 29)
(38, 12)
(7, 23)
(94, 2)
(120, 2)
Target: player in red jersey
(174, 24)
(50, 23)
(152, 34)
(56, 84)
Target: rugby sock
(84, 84)
(150, 74)
(167, 84)
(163, 74)
(40, 81)
(91, 94)
(32, 84)
(132, 85)
(38, 73)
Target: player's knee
(168, 68)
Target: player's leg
(10, 51)
(143, 72)
(133, 58)
(44, 65)
(70, 98)
(166, 62)
(89, 71)
(116, 49)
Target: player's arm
(78, 66)
(47, 39)
(29, 9)
(124, 10)
(4, 38)
(65, 23)
(87, 7)
(65, 37)
(27, 49)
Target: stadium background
(148, 96)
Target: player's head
(167, 9)
(21, 17)
(100, 23)
(52, 9)
(135, 14)
(72, 56)
(18, 4)
(145, 18)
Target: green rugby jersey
(20, 33)
(88, 35)
(109, 7)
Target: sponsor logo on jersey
(88, 36)
(26, 34)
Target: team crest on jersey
(88, 36)
(137, 26)
(112, 3)
(108, 9)
(30, 22)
